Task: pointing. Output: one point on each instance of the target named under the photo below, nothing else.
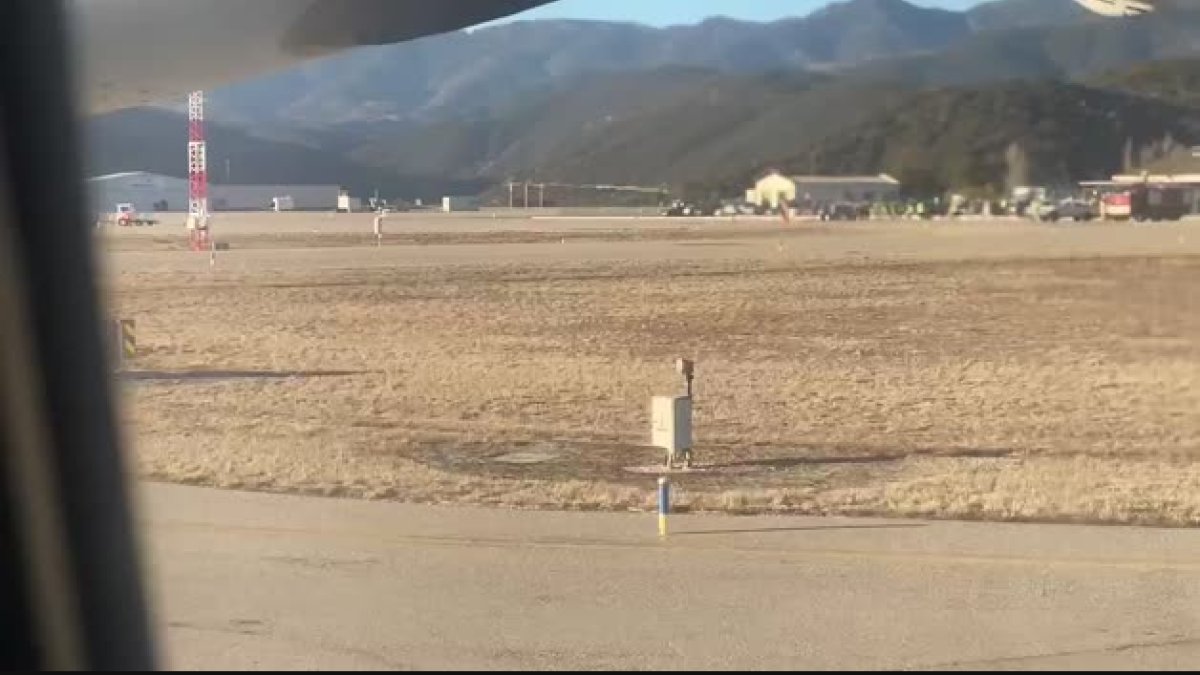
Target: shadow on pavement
(869, 456)
(224, 375)
(811, 528)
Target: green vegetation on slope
(718, 131)
(1175, 81)
(958, 138)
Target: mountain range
(859, 86)
(470, 73)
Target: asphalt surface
(250, 581)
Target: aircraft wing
(1120, 7)
(134, 52)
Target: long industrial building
(150, 192)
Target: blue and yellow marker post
(664, 504)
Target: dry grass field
(988, 370)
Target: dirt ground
(994, 370)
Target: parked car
(735, 209)
(1071, 208)
(682, 209)
(1043, 211)
(844, 211)
(1079, 210)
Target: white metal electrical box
(671, 423)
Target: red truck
(127, 215)
(1147, 202)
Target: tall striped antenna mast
(197, 173)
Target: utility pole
(542, 196)
(511, 186)
(526, 195)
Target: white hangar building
(151, 192)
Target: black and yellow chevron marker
(128, 329)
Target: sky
(668, 12)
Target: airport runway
(251, 581)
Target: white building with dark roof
(775, 187)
